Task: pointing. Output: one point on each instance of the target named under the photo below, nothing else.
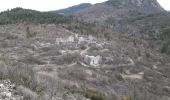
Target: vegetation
(82, 27)
(126, 98)
(93, 94)
(135, 16)
(73, 9)
(165, 33)
(20, 72)
(83, 47)
(21, 75)
(17, 15)
(119, 77)
(155, 32)
(114, 3)
(164, 36)
(71, 90)
(86, 28)
(166, 48)
(20, 15)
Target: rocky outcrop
(8, 92)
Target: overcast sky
(46, 5)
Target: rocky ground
(8, 91)
(49, 62)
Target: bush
(22, 74)
(126, 98)
(165, 48)
(165, 34)
(119, 77)
(19, 73)
(93, 94)
(148, 55)
(29, 34)
(72, 89)
(83, 47)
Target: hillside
(49, 61)
(73, 9)
(123, 55)
(153, 28)
(117, 9)
(20, 15)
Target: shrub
(164, 48)
(148, 55)
(165, 33)
(19, 73)
(126, 98)
(93, 94)
(119, 77)
(73, 89)
(29, 34)
(83, 47)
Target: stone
(92, 60)
(8, 94)
(7, 91)
(65, 40)
(133, 76)
(70, 39)
(91, 38)
(2, 86)
(81, 40)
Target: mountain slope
(73, 9)
(147, 6)
(154, 28)
(118, 8)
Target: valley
(121, 54)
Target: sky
(48, 5)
